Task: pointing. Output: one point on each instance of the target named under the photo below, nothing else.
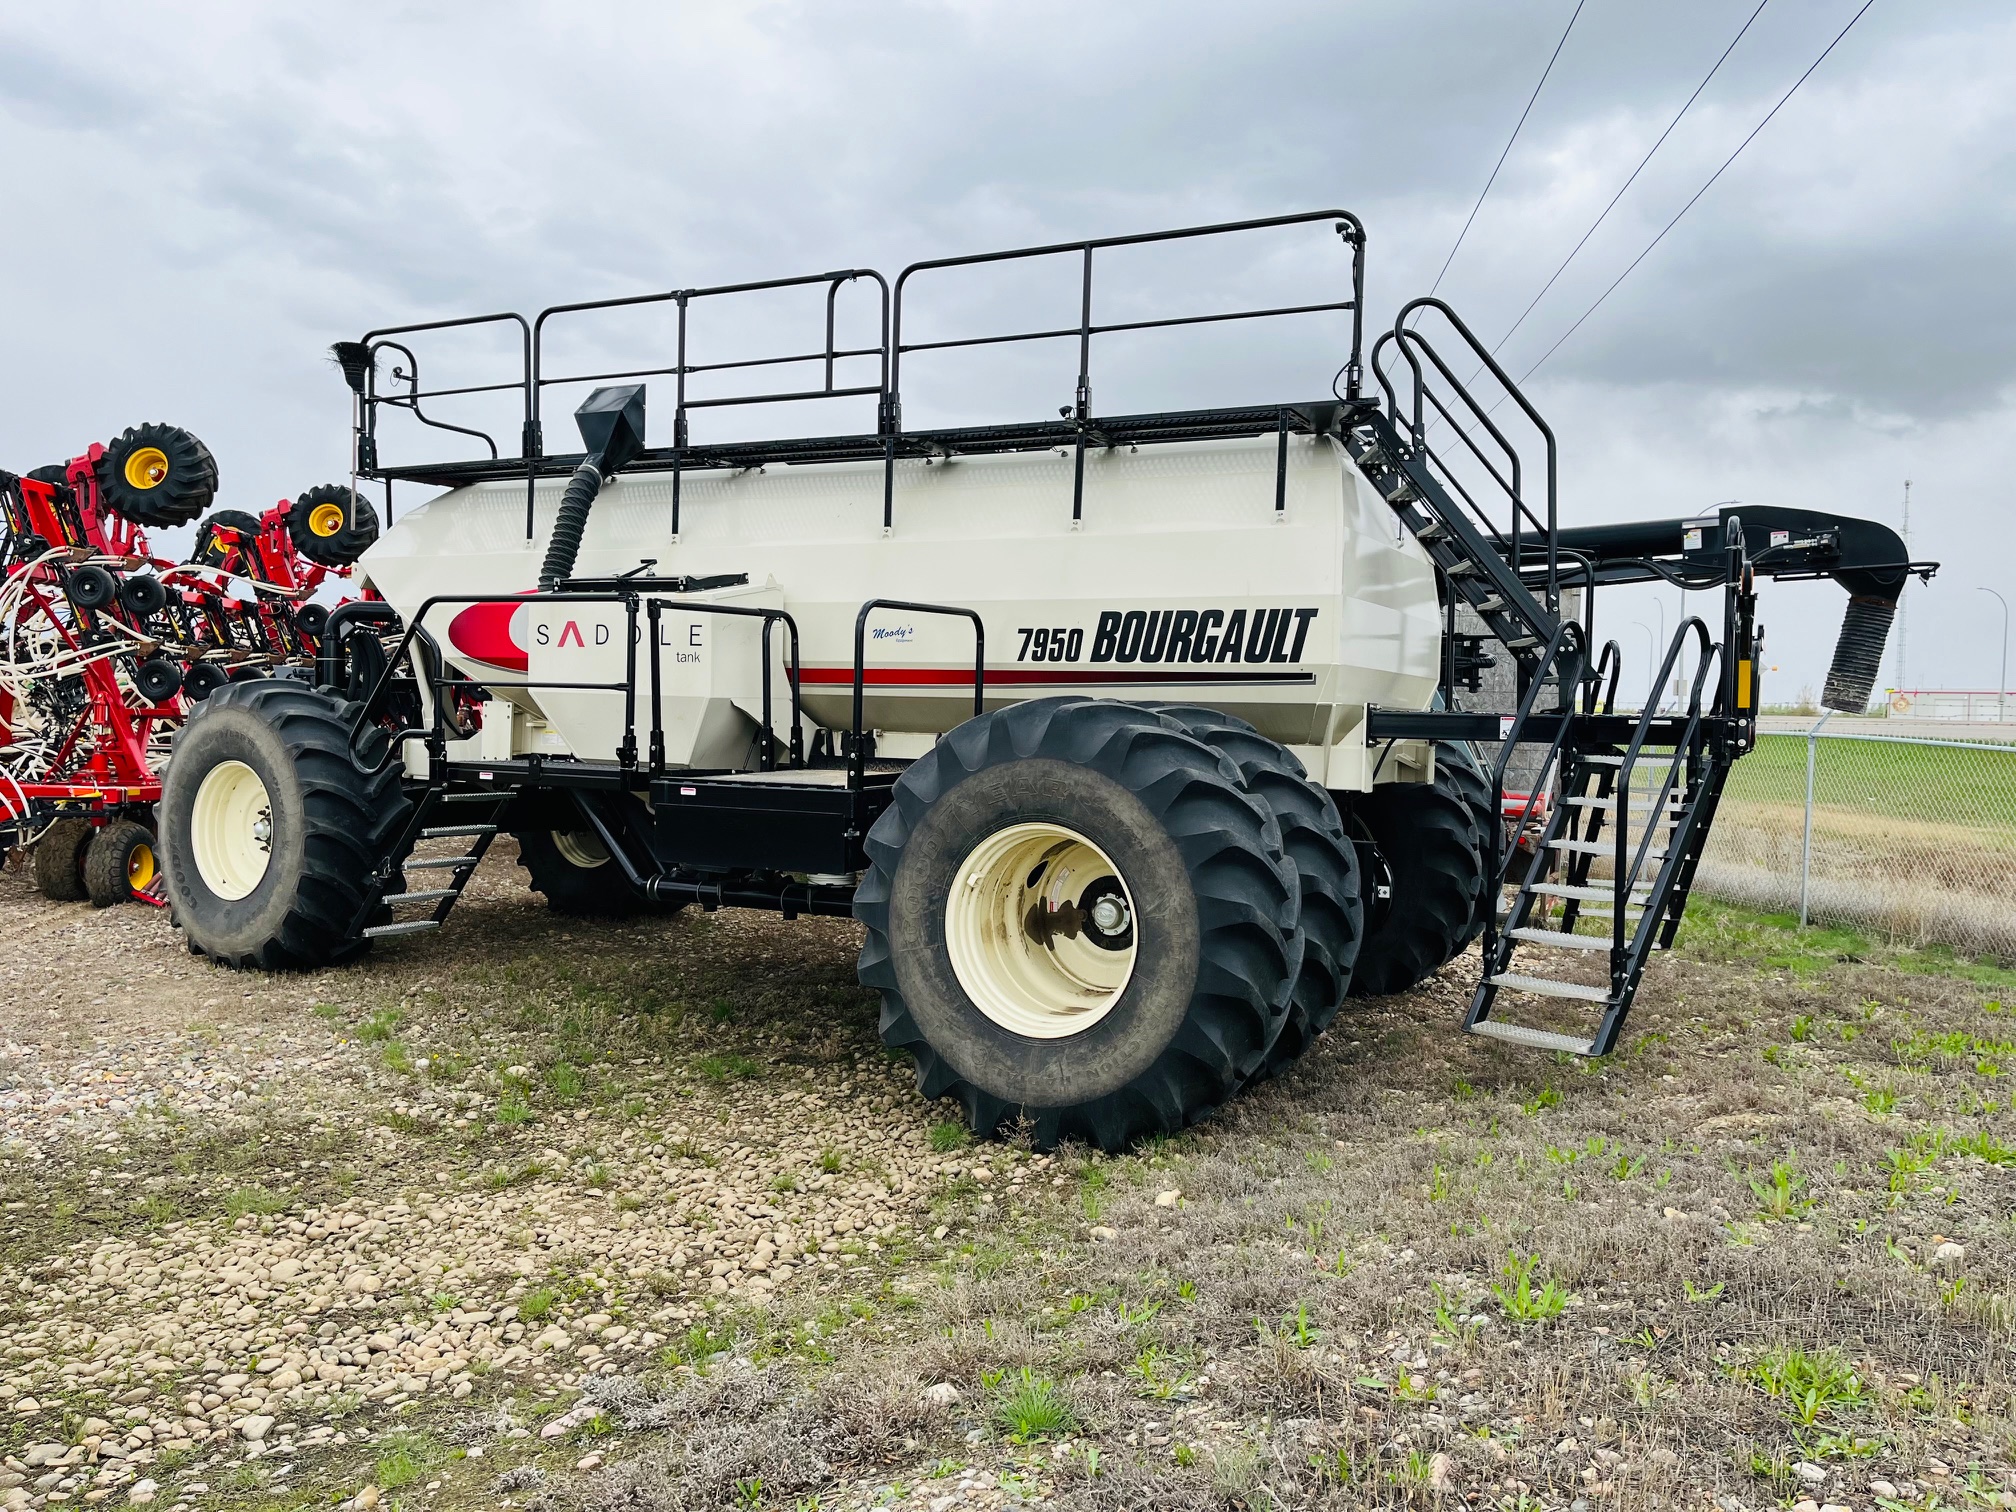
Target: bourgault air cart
(1134, 742)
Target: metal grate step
(431, 895)
(1609, 805)
(1592, 894)
(1558, 939)
(447, 831)
(474, 797)
(1603, 848)
(1514, 981)
(439, 863)
(410, 926)
(1533, 1039)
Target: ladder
(471, 819)
(1646, 809)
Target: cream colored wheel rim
(231, 830)
(582, 848)
(1028, 909)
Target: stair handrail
(1404, 338)
(1624, 877)
(1612, 658)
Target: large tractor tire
(570, 865)
(157, 475)
(331, 525)
(1459, 774)
(119, 862)
(1076, 915)
(1326, 863)
(1428, 857)
(59, 860)
(271, 830)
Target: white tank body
(1182, 583)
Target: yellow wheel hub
(231, 830)
(1040, 930)
(140, 868)
(326, 520)
(147, 467)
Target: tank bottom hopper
(1137, 744)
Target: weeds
(1523, 1301)
(1777, 1192)
(1028, 1406)
(1811, 1385)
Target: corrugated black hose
(569, 525)
(1858, 654)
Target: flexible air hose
(1858, 654)
(569, 526)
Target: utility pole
(2002, 679)
(1903, 638)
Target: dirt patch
(639, 1215)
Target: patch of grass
(406, 1457)
(948, 1136)
(1523, 1301)
(1546, 1097)
(379, 1027)
(255, 1201)
(565, 1078)
(829, 1161)
(512, 1108)
(727, 1067)
(1028, 1406)
(1811, 1385)
(537, 1303)
(1777, 1192)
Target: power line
(1699, 192)
(1597, 223)
(1508, 146)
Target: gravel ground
(637, 1215)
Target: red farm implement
(105, 647)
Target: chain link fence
(1910, 838)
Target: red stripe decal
(483, 633)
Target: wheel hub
(231, 830)
(147, 467)
(1039, 929)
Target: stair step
(447, 831)
(431, 895)
(1533, 1039)
(410, 926)
(440, 863)
(1515, 981)
(1672, 805)
(1559, 939)
(1591, 894)
(1600, 848)
(498, 797)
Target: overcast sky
(186, 237)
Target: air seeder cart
(104, 646)
(1134, 741)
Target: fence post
(1806, 843)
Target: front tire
(271, 830)
(1077, 916)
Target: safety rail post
(652, 610)
(857, 758)
(626, 753)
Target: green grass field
(1937, 784)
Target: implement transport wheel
(1326, 863)
(1428, 847)
(1076, 915)
(331, 525)
(119, 862)
(158, 476)
(59, 860)
(271, 829)
(570, 865)
(213, 551)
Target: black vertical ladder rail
(1586, 823)
(828, 356)
(857, 738)
(1079, 412)
(365, 459)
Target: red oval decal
(482, 632)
